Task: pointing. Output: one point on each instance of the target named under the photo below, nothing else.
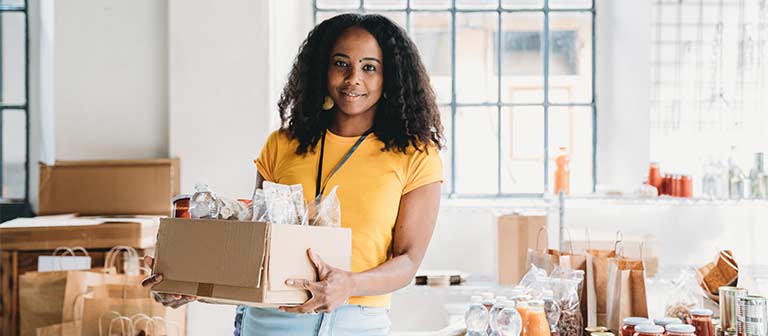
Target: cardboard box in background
(121, 187)
(50, 232)
(516, 234)
(234, 262)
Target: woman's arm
(413, 230)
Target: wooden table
(20, 247)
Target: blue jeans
(345, 320)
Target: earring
(327, 103)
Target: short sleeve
(425, 167)
(267, 161)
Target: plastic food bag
(686, 296)
(259, 206)
(566, 294)
(281, 203)
(530, 278)
(327, 210)
(232, 209)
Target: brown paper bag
(597, 284)
(43, 298)
(74, 328)
(516, 234)
(550, 258)
(626, 291)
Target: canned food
(729, 299)
(752, 316)
(180, 206)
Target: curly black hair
(406, 114)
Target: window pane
(477, 4)
(430, 4)
(570, 3)
(12, 2)
(13, 58)
(570, 60)
(522, 150)
(571, 128)
(476, 80)
(476, 150)
(333, 4)
(14, 155)
(396, 17)
(527, 4)
(445, 116)
(385, 4)
(322, 16)
(522, 61)
(432, 34)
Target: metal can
(729, 300)
(180, 205)
(752, 316)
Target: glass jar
(629, 323)
(680, 330)
(663, 322)
(648, 330)
(536, 323)
(702, 321)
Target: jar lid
(593, 330)
(602, 333)
(681, 328)
(633, 321)
(649, 329)
(667, 320)
(701, 312)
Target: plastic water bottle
(476, 317)
(498, 306)
(202, 204)
(508, 321)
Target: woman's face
(356, 72)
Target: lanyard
(320, 187)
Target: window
(515, 82)
(708, 84)
(14, 117)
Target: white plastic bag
(327, 210)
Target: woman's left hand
(332, 290)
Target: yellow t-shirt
(371, 184)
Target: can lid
(633, 321)
(667, 320)
(701, 312)
(681, 328)
(649, 329)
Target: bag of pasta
(686, 296)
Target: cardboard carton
(516, 234)
(234, 262)
(127, 187)
(48, 233)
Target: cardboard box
(41, 233)
(137, 187)
(516, 234)
(234, 262)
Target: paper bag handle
(149, 323)
(618, 242)
(538, 235)
(65, 249)
(111, 257)
(122, 320)
(588, 238)
(101, 318)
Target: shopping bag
(626, 291)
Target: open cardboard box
(235, 262)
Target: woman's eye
(369, 67)
(340, 64)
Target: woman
(358, 112)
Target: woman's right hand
(169, 300)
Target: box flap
(215, 252)
(288, 257)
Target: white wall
(623, 91)
(110, 91)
